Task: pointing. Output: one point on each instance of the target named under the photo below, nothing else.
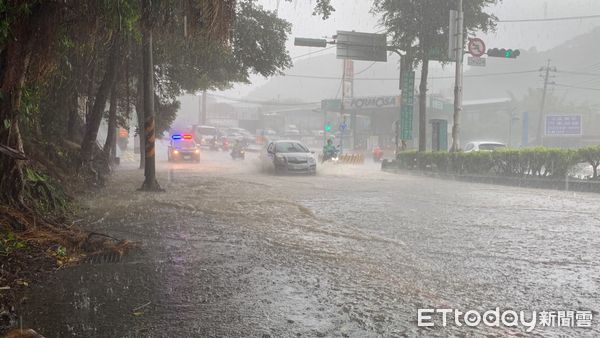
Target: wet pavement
(353, 252)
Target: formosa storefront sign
(374, 102)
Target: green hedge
(523, 162)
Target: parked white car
(483, 146)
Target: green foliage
(526, 162)
(259, 41)
(420, 27)
(46, 195)
(323, 8)
(61, 251)
(9, 243)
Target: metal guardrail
(348, 159)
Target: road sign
(476, 61)
(361, 46)
(407, 105)
(563, 125)
(322, 43)
(476, 47)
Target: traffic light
(503, 53)
(328, 127)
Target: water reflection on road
(230, 251)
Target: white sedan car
(288, 157)
(483, 146)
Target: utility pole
(202, 108)
(342, 106)
(458, 83)
(540, 136)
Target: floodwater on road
(352, 252)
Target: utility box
(439, 135)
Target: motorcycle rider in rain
(237, 147)
(329, 150)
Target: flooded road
(352, 252)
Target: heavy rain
(299, 168)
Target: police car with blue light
(183, 147)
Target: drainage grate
(104, 258)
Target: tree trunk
(423, 101)
(89, 103)
(111, 135)
(95, 117)
(73, 133)
(14, 62)
(150, 182)
(139, 110)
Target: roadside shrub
(559, 161)
(590, 155)
(407, 159)
(525, 162)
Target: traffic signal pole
(458, 83)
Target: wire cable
(266, 103)
(576, 87)
(396, 79)
(564, 18)
(313, 52)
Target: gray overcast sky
(354, 15)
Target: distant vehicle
(483, 146)
(238, 153)
(183, 147)
(204, 135)
(288, 156)
(292, 133)
(239, 134)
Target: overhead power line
(314, 52)
(578, 73)
(396, 79)
(576, 87)
(564, 18)
(266, 103)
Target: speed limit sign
(476, 47)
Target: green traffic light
(508, 53)
(328, 127)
